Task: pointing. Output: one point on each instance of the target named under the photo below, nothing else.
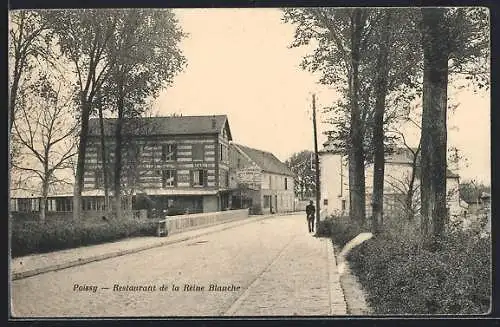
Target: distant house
(483, 202)
(260, 181)
(334, 182)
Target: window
(197, 151)
(199, 177)
(267, 201)
(13, 205)
(99, 178)
(227, 178)
(50, 205)
(286, 183)
(98, 150)
(168, 178)
(343, 204)
(35, 204)
(63, 204)
(325, 202)
(133, 153)
(24, 205)
(221, 153)
(239, 163)
(169, 152)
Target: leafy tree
(83, 36)
(147, 57)
(301, 164)
(342, 36)
(453, 36)
(373, 94)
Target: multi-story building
(169, 163)
(260, 181)
(173, 165)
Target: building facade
(170, 164)
(260, 181)
(334, 182)
(175, 165)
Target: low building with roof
(260, 181)
(334, 182)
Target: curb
(82, 261)
(361, 308)
(335, 283)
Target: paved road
(269, 267)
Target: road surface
(269, 267)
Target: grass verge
(401, 276)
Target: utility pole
(316, 156)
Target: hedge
(30, 237)
(403, 277)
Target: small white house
(334, 182)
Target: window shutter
(175, 177)
(174, 152)
(191, 177)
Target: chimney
(214, 122)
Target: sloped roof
(265, 160)
(399, 155)
(171, 125)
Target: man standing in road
(310, 211)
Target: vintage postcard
(297, 162)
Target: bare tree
(47, 138)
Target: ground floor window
(50, 205)
(13, 205)
(35, 204)
(267, 201)
(63, 204)
(88, 204)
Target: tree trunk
(357, 191)
(434, 135)
(43, 202)
(411, 186)
(118, 154)
(104, 161)
(378, 128)
(80, 165)
(13, 94)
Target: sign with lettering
(200, 165)
(250, 177)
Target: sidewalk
(31, 265)
(302, 281)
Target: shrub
(33, 237)
(342, 229)
(403, 277)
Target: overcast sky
(239, 64)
